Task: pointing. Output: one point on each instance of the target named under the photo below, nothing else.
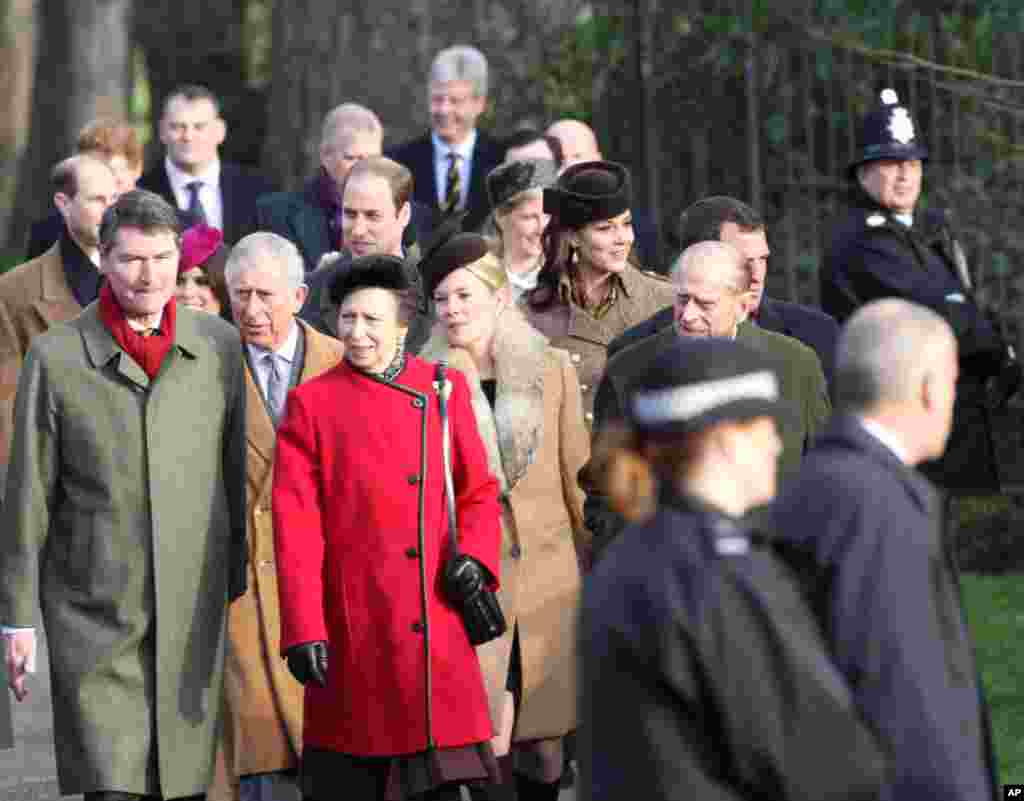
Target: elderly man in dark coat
(880, 574)
(883, 246)
(124, 518)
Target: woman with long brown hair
(589, 291)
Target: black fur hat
(588, 192)
(366, 272)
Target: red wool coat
(345, 504)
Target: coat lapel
(56, 301)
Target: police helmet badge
(887, 132)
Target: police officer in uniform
(884, 247)
(704, 672)
(589, 291)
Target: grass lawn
(995, 608)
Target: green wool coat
(124, 518)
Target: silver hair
(461, 63)
(349, 118)
(700, 252)
(264, 244)
(885, 350)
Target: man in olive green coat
(713, 299)
(124, 518)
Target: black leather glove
(308, 662)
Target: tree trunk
(328, 52)
(84, 74)
(17, 62)
(201, 42)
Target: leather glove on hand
(308, 662)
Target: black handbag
(465, 581)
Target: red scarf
(148, 351)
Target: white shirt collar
(464, 149)
(906, 219)
(180, 180)
(886, 437)
(524, 281)
(137, 326)
(286, 351)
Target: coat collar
(845, 431)
(102, 347)
(56, 301)
(512, 432)
(321, 354)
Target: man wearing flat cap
(883, 246)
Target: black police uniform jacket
(705, 675)
(872, 255)
(888, 597)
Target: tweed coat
(124, 518)
(262, 700)
(568, 327)
(536, 443)
(33, 296)
(349, 494)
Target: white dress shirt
(209, 192)
(286, 352)
(465, 151)
(885, 436)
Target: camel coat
(536, 442)
(33, 297)
(262, 700)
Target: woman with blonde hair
(704, 671)
(526, 402)
(518, 219)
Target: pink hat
(198, 244)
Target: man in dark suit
(312, 218)
(450, 163)
(729, 220)
(192, 177)
(868, 532)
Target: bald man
(713, 299)
(869, 527)
(579, 143)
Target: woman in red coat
(361, 537)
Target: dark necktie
(195, 205)
(453, 190)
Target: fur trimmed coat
(536, 442)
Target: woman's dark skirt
(327, 775)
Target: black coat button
(515, 552)
(412, 553)
(412, 478)
(417, 627)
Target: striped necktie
(195, 205)
(453, 190)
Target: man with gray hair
(451, 162)
(124, 519)
(713, 299)
(262, 739)
(867, 529)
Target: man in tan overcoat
(57, 285)
(263, 702)
(124, 519)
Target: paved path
(28, 772)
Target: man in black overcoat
(884, 246)
(880, 575)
